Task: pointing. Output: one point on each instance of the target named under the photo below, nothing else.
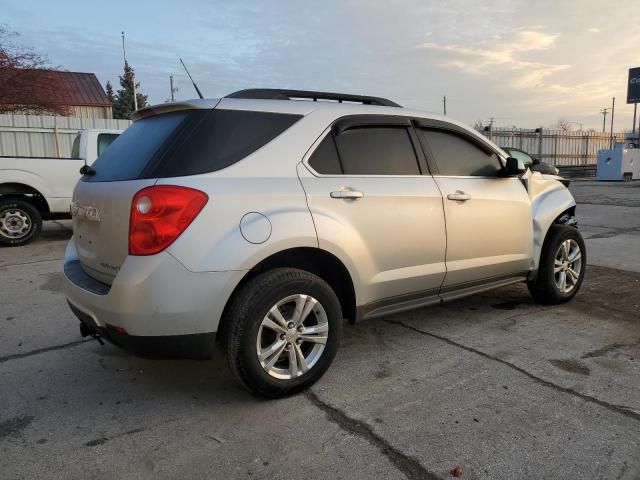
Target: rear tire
(281, 332)
(563, 262)
(20, 222)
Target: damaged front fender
(550, 201)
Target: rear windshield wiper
(87, 170)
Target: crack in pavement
(30, 263)
(601, 352)
(38, 351)
(409, 466)
(612, 232)
(620, 409)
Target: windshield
(520, 155)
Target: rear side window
(187, 143)
(377, 151)
(324, 159)
(220, 139)
(455, 155)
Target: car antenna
(191, 78)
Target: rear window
(188, 143)
(130, 153)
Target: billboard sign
(633, 88)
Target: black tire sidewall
(545, 282)
(34, 216)
(260, 300)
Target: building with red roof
(39, 91)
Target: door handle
(346, 194)
(459, 196)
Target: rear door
(488, 217)
(373, 207)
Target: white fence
(557, 147)
(46, 136)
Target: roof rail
(278, 94)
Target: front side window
(377, 151)
(456, 156)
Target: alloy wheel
(292, 336)
(567, 265)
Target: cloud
(503, 53)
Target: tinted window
(454, 155)
(221, 138)
(187, 143)
(325, 159)
(377, 151)
(104, 140)
(129, 154)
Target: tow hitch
(87, 332)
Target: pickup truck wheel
(20, 222)
(282, 331)
(562, 266)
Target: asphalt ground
(494, 384)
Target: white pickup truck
(36, 189)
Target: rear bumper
(155, 306)
(198, 346)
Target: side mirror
(535, 161)
(514, 167)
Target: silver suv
(261, 220)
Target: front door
(488, 217)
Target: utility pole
(604, 112)
(491, 122)
(173, 89)
(613, 111)
(444, 105)
(133, 78)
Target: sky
(525, 63)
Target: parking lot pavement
(495, 384)
(609, 218)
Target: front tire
(563, 262)
(282, 331)
(20, 222)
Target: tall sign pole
(133, 78)
(613, 112)
(633, 96)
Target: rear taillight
(160, 214)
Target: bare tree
(562, 124)
(27, 83)
(478, 125)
